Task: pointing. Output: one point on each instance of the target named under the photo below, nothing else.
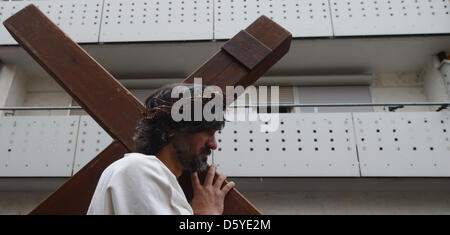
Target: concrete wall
(347, 195)
(294, 203)
(19, 89)
(20, 203)
(347, 203)
(45, 92)
(292, 195)
(398, 87)
(13, 83)
(434, 82)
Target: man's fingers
(219, 181)
(195, 180)
(228, 187)
(210, 175)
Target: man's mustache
(205, 150)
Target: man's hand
(208, 198)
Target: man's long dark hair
(157, 128)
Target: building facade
(384, 149)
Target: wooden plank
(61, 57)
(224, 70)
(72, 197)
(247, 49)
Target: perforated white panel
(304, 145)
(403, 144)
(319, 144)
(382, 17)
(80, 19)
(303, 18)
(37, 145)
(92, 139)
(160, 20)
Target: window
(286, 96)
(333, 94)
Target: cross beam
(241, 61)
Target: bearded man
(145, 182)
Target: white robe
(138, 184)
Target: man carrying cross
(146, 182)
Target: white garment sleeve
(139, 186)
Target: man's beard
(188, 158)
(197, 164)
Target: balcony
(358, 144)
(145, 38)
(93, 21)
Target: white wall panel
(409, 144)
(307, 18)
(144, 20)
(403, 144)
(80, 19)
(92, 139)
(303, 145)
(388, 17)
(37, 145)
(179, 20)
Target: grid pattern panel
(80, 19)
(303, 145)
(315, 144)
(403, 144)
(173, 20)
(144, 20)
(92, 139)
(385, 17)
(37, 146)
(303, 18)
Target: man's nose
(212, 144)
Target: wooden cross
(240, 61)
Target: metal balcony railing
(391, 107)
(345, 144)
